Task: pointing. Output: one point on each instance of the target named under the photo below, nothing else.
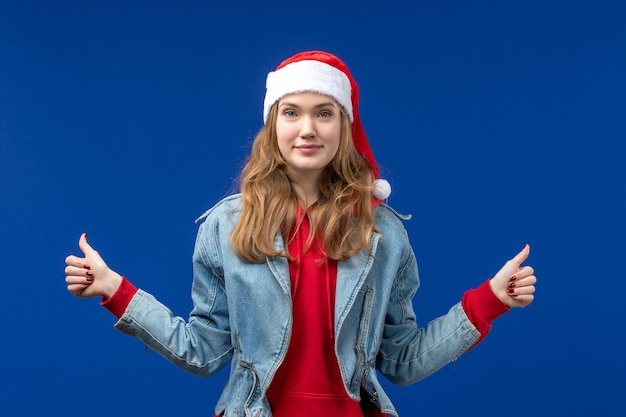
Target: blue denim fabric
(242, 315)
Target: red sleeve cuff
(120, 299)
(482, 307)
(486, 304)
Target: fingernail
(90, 274)
(86, 266)
(511, 290)
(513, 278)
(89, 279)
(511, 285)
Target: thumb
(522, 256)
(84, 246)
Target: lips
(308, 149)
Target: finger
(522, 255)
(77, 280)
(525, 282)
(524, 300)
(78, 271)
(76, 289)
(76, 261)
(523, 272)
(519, 291)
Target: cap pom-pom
(381, 190)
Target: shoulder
(393, 247)
(229, 206)
(217, 223)
(388, 219)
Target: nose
(307, 128)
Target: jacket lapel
(279, 266)
(351, 274)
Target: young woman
(304, 281)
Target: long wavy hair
(342, 217)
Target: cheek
(285, 131)
(334, 138)
(281, 140)
(284, 144)
(281, 136)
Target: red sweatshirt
(308, 383)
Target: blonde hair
(342, 217)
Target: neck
(307, 190)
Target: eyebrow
(324, 104)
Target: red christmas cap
(324, 73)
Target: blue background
(497, 123)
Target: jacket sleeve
(408, 352)
(200, 345)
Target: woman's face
(308, 129)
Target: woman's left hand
(514, 284)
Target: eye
(289, 113)
(325, 114)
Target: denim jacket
(242, 314)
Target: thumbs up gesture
(90, 276)
(514, 284)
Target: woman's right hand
(90, 276)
